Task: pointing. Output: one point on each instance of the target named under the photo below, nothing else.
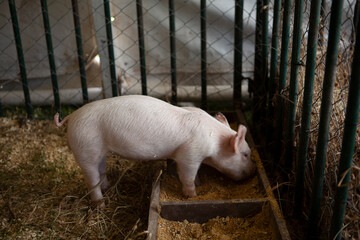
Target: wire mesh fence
(158, 48)
(337, 120)
(124, 21)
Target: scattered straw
(42, 189)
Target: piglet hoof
(105, 184)
(104, 187)
(197, 181)
(190, 193)
(98, 204)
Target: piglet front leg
(187, 171)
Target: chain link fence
(219, 48)
(336, 129)
(220, 17)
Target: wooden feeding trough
(223, 209)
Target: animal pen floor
(43, 194)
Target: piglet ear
(238, 139)
(221, 118)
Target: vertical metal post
(173, 52)
(254, 87)
(325, 115)
(307, 103)
(265, 58)
(274, 49)
(273, 68)
(141, 45)
(20, 54)
(97, 7)
(356, 18)
(203, 55)
(238, 32)
(348, 145)
(264, 50)
(1, 110)
(322, 21)
(282, 80)
(114, 83)
(261, 62)
(50, 50)
(80, 50)
(295, 58)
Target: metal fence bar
(114, 83)
(1, 110)
(50, 50)
(356, 18)
(283, 73)
(261, 61)
(307, 103)
(203, 55)
(254, 86)
(322, 21)
(140, 25)
(264, 48)
(274, 49)
(75, 8)
(20, 54)
(172, 52)
(238, 49)
(325, 115)
(264, 58)
(295, 58)
(273, 68)
(348, 146)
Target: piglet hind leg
(93, 179)
(187, 175)
(103, 178)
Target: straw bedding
(43, 194)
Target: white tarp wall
(220, 35)
(220, 44)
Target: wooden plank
(202, 211)
(154, 209)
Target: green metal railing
(307, 104)
(50, 49)
(81, 60)
(238, 51)
(295, 64)
(172, 52)
(114, 82)
(325, 114)
(348, 146)
(273, 69)
(141, 46)
(285, 41)
(260, 83)
(203, 55)
(20, 54)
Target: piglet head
(241, 162)
(234, 157)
